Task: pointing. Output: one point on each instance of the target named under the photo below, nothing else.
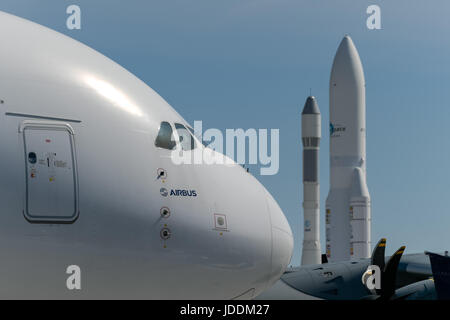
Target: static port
(165, 233)
(165, 212)
(162, 174)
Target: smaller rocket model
(311, 133)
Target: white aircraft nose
(282, 240)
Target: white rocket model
(311, 133)
(348, 201)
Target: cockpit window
(165, 137)
(187, 142)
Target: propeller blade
(389, 275)
(378, 254)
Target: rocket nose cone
(311, 106)
(347, 63)
(347, 50)
(346, 44)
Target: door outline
(53, 126)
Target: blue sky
(250, 64)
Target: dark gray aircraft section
(341, 280)
(406, 277)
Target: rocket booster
(348, 202)
(311, 134)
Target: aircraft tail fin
(440, 266)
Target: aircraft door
(51, 177)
